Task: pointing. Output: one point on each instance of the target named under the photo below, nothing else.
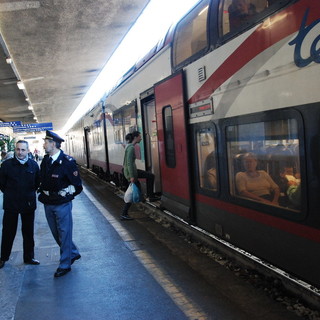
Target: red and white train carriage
(213, 89)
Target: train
(221, 85)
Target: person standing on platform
(19, 180)
(60, 183)
(132, 174)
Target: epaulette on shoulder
(69, 158)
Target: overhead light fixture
(27, 99)
(35, 118)
(30, 107)
(8, 60)
(20, 85)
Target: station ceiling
(58, 48)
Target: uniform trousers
(59, 219)
(9, 230)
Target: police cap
(53, 136)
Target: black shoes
(61, 272)
(125, 217)
(75, 258)
(32, 261)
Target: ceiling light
(30, 107)
(35, 118)
(8, 60)
(20, 85)
(27, 99)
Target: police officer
(19, 180)
(60, 183)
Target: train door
(151, 137)
(173, 147)
(86, 143)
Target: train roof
(162, 43)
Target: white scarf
(23, 161)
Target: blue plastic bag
(132, 194)
(136, 195)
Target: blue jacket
(19, 183)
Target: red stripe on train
(278, 223)
(266, 35)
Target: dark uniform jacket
(57, 176)
(19, 183)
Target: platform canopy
(57, 49)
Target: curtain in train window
(207, 163)
(169, 137)
(264, 162)
(241, 14)
(191, 34)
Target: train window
(238, 15)
(124, 121)
(117, 125)
(169, 137)
(191, 34)
(264, 162)
(130, 118)
(97, 133)
(207, 163)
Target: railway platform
(125, 273)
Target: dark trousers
(150, 181)
(126, 208)
(127, 205)
(9, 230)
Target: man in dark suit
(19, 180)
(60, 183)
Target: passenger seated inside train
(294, 195)
(291, 188)
(285, 176)
(210, 172)
(240, 12)
(256, 184)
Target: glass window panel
(240, 14)
(264, 157)
(124, 122)
(169, 137)
(191, 34)
(117, 125)
(207, 164)
(97, 133)
(130, 119)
